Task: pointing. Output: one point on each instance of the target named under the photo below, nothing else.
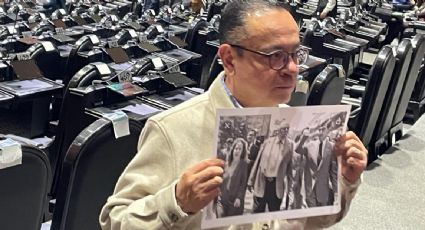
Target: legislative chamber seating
(24, 187)
(93, 59)
(327, 87)
(379, 142)
(364, 117)
(396, 131)
(85, 184)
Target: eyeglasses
(278, 59)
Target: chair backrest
(373, 98)
(327, 87)
(48, 59)
(419, 88)
(70, 118)
(418, 43)
(299, 96)
(91, 169)
(403, 57)
(24, 188)
(192, 33)
(72, 66)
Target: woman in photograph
(231, 200)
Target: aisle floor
(392, 193)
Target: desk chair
(364, 118)
(24, 188)
(71, 118)
(380, 135)
(72, 65)
(91, 169)
(418, 43)
(327, 87)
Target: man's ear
(227, 54)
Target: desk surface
(33, 87)
(5, 98)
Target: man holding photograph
(173, 176)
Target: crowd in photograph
(282, 167)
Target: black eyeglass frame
(269, 55)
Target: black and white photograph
(279, 163)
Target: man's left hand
(323, 15)
(353, 156)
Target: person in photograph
(224, 151)
(174, 175)
(311, 147)
(253, 147)
(231, 200)
(321, 170)
(271, 170)
(241, 131)
(327, 172)
(296, 196)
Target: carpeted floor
(392, 195)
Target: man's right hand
(199, 185)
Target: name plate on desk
(125, 76)
(59, 30)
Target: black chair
(85, 185)
(403, 57)
(71, 117)
(418, 42)
(300, 95)
(364, 118)
(73, 64)
(24, 188)
(192, 33)
(197, 44)
(44, 26)
(327, 87)
(417, 101)
(48, 59)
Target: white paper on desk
(141, 109)
(183, 96)
(297, 168)
(26, 85)
(122, 66)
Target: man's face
(322, 133)
(251, 80)
(250, 136)
(283, 132)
